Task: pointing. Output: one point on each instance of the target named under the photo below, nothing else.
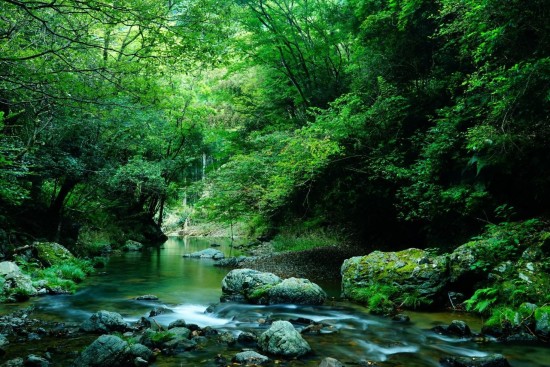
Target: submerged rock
(230, 262)
(103, 322)
(208, 253)
(250, 357)
(455, 328)
(330, 362)
(493, 360)
(297, 291)
(283, 340)
(147, 297)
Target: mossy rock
(51, 253)
(411, 271)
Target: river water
(188, 286)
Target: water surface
(188, 286)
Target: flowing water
(188, 286)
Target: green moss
(259, 293)
(377, 297)
(161, 337)
(541, 311)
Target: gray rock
(247, 338)
(141, 351)
(9, 267)
(147, 297)
(493, 360)
(103, 322)
(177, 323)
(105, 351)
(241, 284)
(283, 340)
(208, 253)
(297, 291)
(36, 361)
(160, 311)
(330, 362)
(15, 282)
(230, 262)
(140, 362)
(16, 362)
(181, 332)
(227, 338)
(250, 357)
(131, 245)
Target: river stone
(104, 322)
(105, 351)
(240, 284)
(147, 297)
(247, 338)
(36, 361)
(208, 253)
(181, 332)
(330, 362)
(250, 357)
(493, 360)
(16, 362)
(283, 340)
(141, 351)
(297, 291)
(131, 245)
(177, 323)
(456, 328)
(3, 344)
(411, 271)
(51, 253)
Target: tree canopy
(400, 120)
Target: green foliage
(307, 240)
(379, 298)
(482, 300)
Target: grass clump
(307, 240)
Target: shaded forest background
(402, 122)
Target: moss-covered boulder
(51, 253)
(296, 291)
(246, 285)
(411, 274)
(542, 319)
(283, 340)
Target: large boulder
(297, 291)
(412, 272)
(14, 283)
(240, 284)
(104, 322)
(282, 339)
(51, 253)
(208, 253)
(105, 351)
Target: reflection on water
(187, 286)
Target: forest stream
(187, 287)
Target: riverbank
(319, 264)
